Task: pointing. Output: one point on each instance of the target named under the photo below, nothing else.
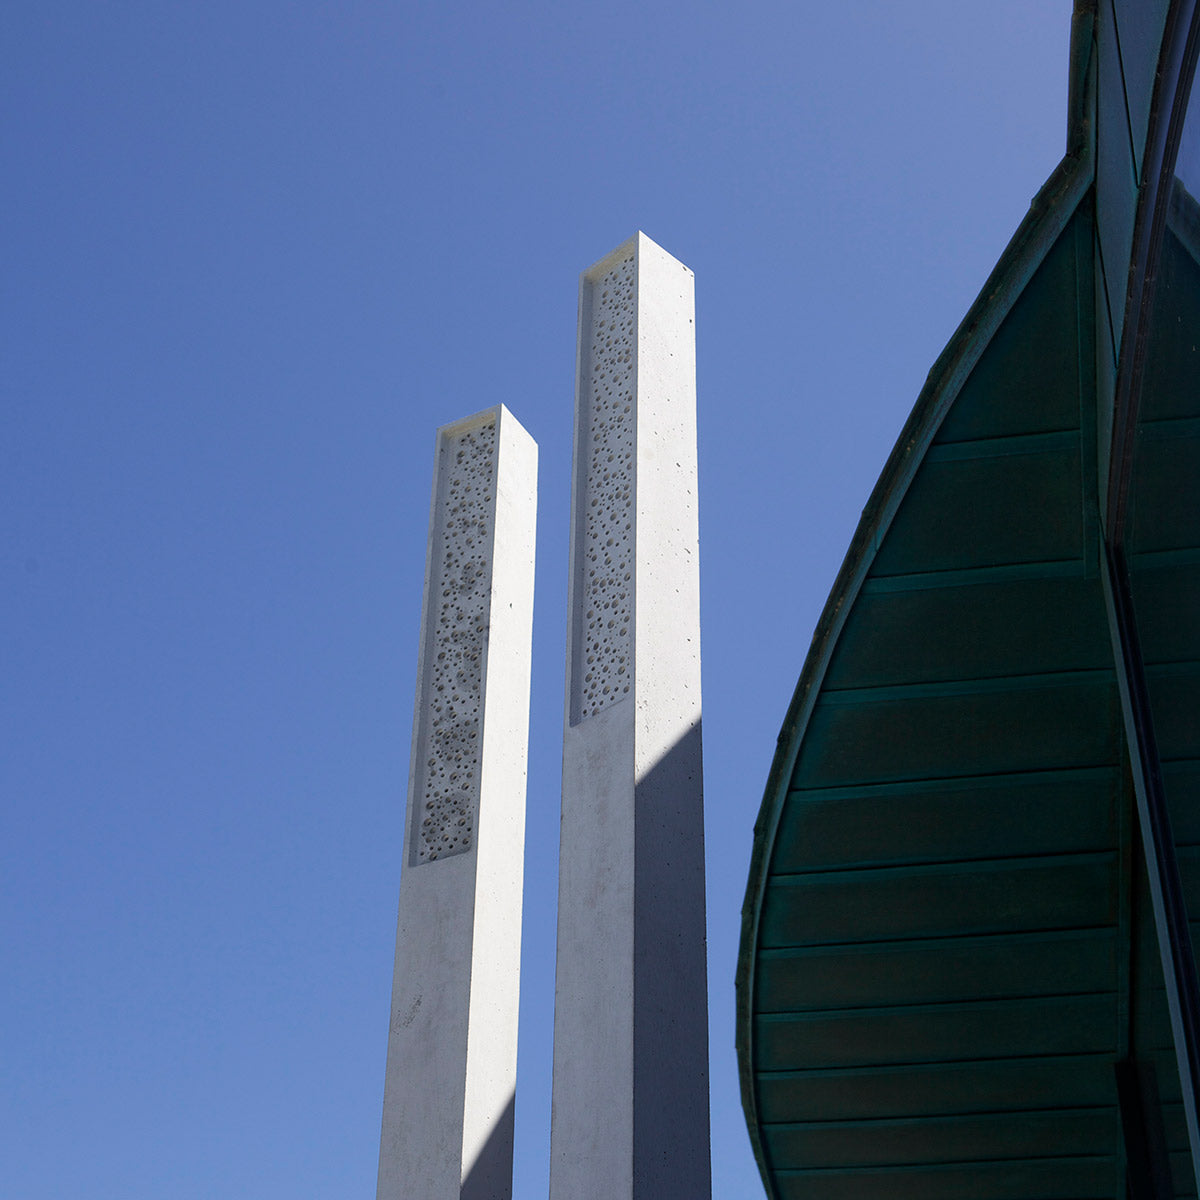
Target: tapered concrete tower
(630, 1115)
(452, 1044)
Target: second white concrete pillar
(630, 1102)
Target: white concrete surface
(452, 1042)
(630, 1108)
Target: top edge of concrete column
(498, 412)
(637, 245)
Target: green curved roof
(950, 980)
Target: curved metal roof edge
(1049, 213)
(1172, 92)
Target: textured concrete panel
(630, 1116)
(452, 1043)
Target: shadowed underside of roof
(950, 982)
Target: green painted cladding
(952, 981)
(944, 877)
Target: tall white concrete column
(452, 1043)
(630, 1108)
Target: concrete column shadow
(490, 1175)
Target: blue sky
(253, 254)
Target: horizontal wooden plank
(1175, 702)
(1006, 627)
(1181, 781)
(1166, 487)
(1062, 722)
(954, 900)
(937, 1033)
(1174, 1125)
(1189, 877)
(1098, 1178)
(1024, 507)
(1027, 380)
(1164, 587)
(1183, 1173)
(940, 1140)
(1151, 1031)
(937, 971)
(944, 820)
(932, 1089)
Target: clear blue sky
(253, 254)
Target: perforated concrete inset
(604, 672)
(450, 779)
(629, 1103)
(452, 1033)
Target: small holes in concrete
(450, 793)
(607, 543)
